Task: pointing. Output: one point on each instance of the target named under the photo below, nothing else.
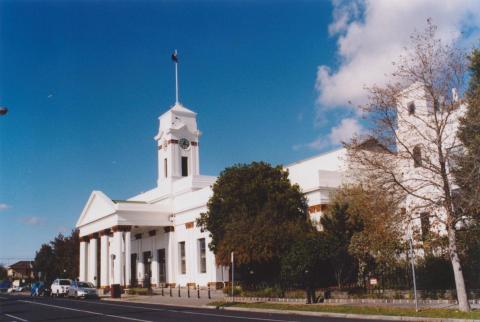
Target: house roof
(21, 265)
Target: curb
(306, 313)
(348, 316)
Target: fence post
(162, 290)
(209, 296)
(198, 290)
(188, 291)
(179, 290)
(171, 290)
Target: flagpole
(176, 79)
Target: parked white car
(60, 287)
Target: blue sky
(86, 81)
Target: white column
(128, 258)
(104, 254)
(92, 263)
(154, 278)
(170, 257)
(83, 260)
(140, 267)
(117, 262)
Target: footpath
(218, 301)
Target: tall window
(436, 105)
(411, 108)
(184, 166)
(425, 224)
(202, 255)
(165, 169)
(182, 257)
(417, 156)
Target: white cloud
(4, 206)
(348, 128)
(372, 34)
(32, 220)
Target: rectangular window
(184, 166)
(202, 255)
(165, 169)
(182, 257)
(425, 224)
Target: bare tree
(415, 116)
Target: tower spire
(175, 60)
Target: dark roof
(21, 265)
(372, 144)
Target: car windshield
(85, 284)
(64, 282)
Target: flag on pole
(174, 56)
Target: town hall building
(154, 235)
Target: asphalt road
(24, 308)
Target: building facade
(154, 235)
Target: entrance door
(162, 267)
(147, 261)
(133, 269)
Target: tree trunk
(462, 298)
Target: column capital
(168, 229)
(105, 232)
(121, 228)
(85, 239)
(93, 236)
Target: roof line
(313, 157)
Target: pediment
(97, 207)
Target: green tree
(467, 172)
(363, 232)
(44, 263)
(339, 225)
(306, 264)
(59, 258)
(256, 212)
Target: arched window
(417, 156)
(411, 108)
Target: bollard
(188, 291)
(162, 290)
(209, 296)
(171, 290)
(198, 290)
(179, 290)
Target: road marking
(192, 313)
(232, 316)
(85, 311)
(16, 317)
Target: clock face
(184, 143)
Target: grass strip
(367, 310)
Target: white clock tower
(177, 142)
